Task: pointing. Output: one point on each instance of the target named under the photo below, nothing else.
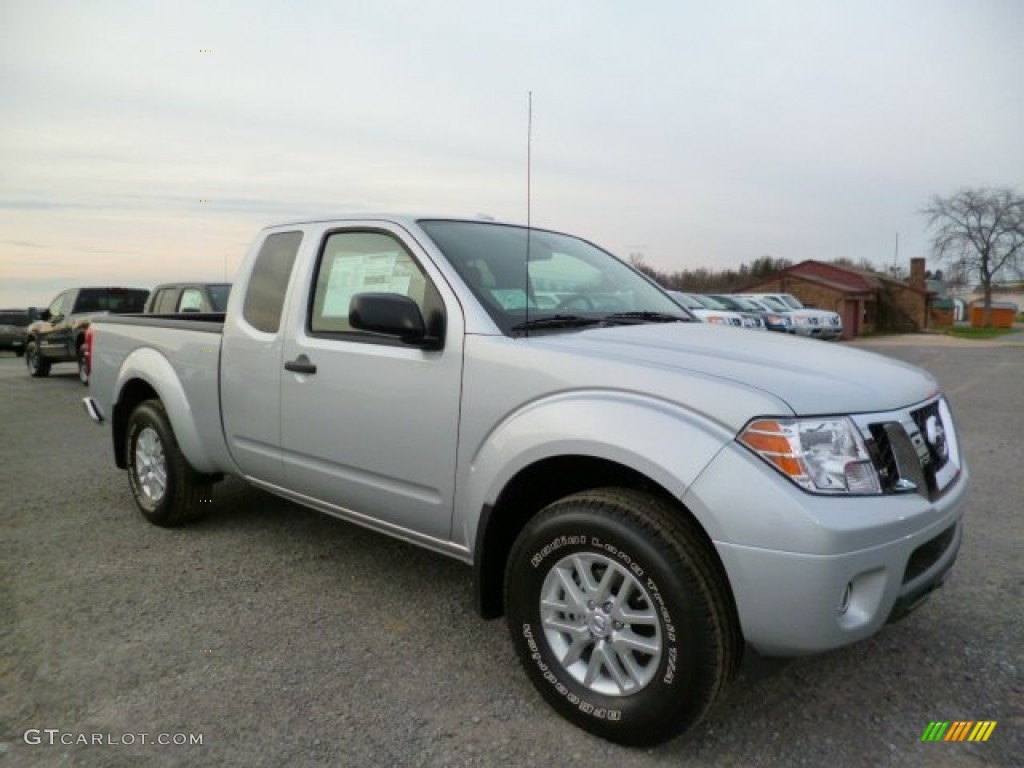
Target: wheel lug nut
(607, 607)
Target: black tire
(83, 366)
(624, 536)
(37, 366)
(20, 352)
(183, 495)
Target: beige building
(867, 301)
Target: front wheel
(621, 615)
(167, 490)
(37, 366)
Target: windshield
(566, 277)
(737, 303)
(708, 303)
(791, 300)
(772, 303)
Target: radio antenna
(529, 148)
(529, 159)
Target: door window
(191, 300)
(366, 262)
(164, 302)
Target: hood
(812, 377)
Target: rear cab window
(268, 281)
(117, 300)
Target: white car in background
(698, 309)
(771, 319)
(832, 322)
(813, 323)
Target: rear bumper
(93, 410)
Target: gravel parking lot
(284, 637)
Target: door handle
(300, 364)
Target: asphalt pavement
(279, 636)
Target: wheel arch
(530, 491)
(133, 392)
(147, 372)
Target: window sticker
(361, 273)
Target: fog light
(844, 601)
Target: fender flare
(148, 365)
(663, 441)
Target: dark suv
(59, 335)
(13, 323)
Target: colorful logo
(959, 730)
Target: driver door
(369, 424)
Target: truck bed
(178, 359)
(207, 322)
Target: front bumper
(809, 572)
(791, 604)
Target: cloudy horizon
(147, 142)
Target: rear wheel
(621, 615)
(37, 366)
(167, 490)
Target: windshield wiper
(632, 318)
(557, 321)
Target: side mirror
(391, 314)
(45, 315)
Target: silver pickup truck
(642, 496)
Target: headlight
(825, 455)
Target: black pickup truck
(59, 335)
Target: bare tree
(980, 232)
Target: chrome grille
(915, 450)
(932, 429)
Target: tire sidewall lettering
(601, 713)
(550, 670)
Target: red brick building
(867, 301)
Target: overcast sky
(696, 133)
